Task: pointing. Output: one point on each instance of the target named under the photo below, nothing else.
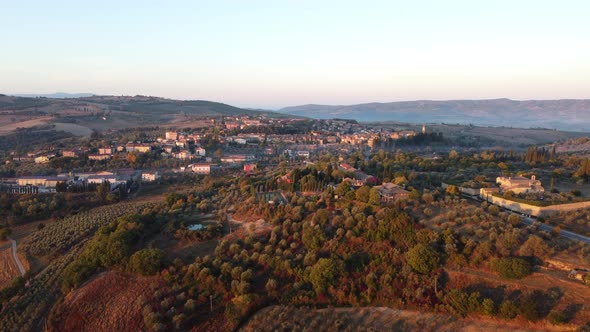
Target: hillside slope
(567, 114)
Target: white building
(201, 168)
(171, 135)
(200, 152)
(150, 176)
(519, 184)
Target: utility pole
(211, 302)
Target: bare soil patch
(112, 301)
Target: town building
(201, 168)
(150, 175)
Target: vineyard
(61, 236)
(66, 239)
(8, 269)
(27, 311)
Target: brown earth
(112, 301)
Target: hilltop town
(217, 218)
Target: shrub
(508, 309)
(556, 317)
(512, 267)
(147, 261)
(423, 259)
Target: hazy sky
(277, 53)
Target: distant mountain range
(57, 95)
(566, 114)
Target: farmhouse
(391, 192)
(520, 184)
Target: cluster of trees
(61, 235)
(536, 155)
(113, 246)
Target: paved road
(564, 233)
(20, 266)
(529, 221)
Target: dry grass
(281, 318)
(574, 292)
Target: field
(73, 128)
(110, 302)
(8, 269)
(9, 127)
(281, 318)
(574, 293)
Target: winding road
(20, 266)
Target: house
(520, 184)
(200, 152)
(105, 150)
(41, 181)
(391, 192)
(201, 168)
(232, 125)
(73, 153)
(43, 159)
(183, 155)
(237, 158)
(346, 167)
(139, 147)
(249, 167)
(113, 180)
(171, 135)
(99, 156)
(303, 154)
(150, 175)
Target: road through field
(20, 266)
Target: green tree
(508, 309)
(4, 233)
(452, 189)
(147, 261)
(374, 197)
(535, 246)
(512, 267)
(423, 259)
(325, 273)
(363, 194)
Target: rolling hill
(566, 114)
(83, 114)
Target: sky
(271, 54)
